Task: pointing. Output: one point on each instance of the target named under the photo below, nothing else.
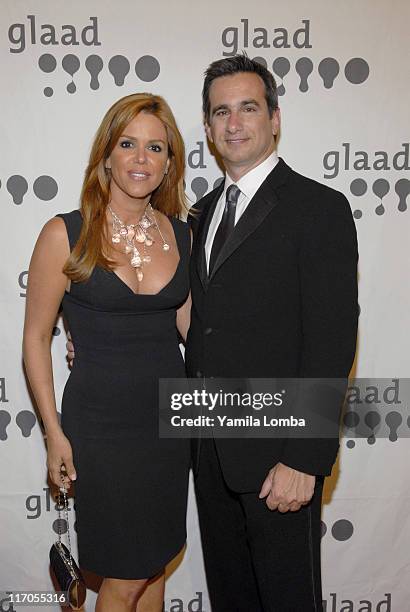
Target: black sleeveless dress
(131, 487)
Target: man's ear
(275, 122)
(208, 129)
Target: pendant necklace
(137, 234)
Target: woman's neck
(129, 210)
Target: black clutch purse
(65, 569)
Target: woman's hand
(70, 350)
(60, 455)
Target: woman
(120, 268)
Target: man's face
(239, 123)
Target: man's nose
(234, 122)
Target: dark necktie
(226, 225)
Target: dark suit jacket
(281, 302)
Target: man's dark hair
(232, 65)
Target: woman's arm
(184, 317)
(46, 285)
(184, 312)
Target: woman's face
(139, 159)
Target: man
(274, 290)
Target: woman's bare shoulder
(53, 236)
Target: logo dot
(199, 186)
(342, 530)
(94, 64)
(47, 62)
(357, 70)
(60, 526)
(381, 188)
(26, 420)
(358, 187)
(351, 419)
(328, 69)
(17, 187)
(45, 188)
(402, 188)
(147, 68)
(119, 67)
(393, 421)
(5, 419)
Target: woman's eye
(156, 148)
(125, 144)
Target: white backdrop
(344, 80)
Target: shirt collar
(252, 180)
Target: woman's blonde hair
(168, 198)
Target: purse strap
(63, 490)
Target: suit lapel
(204, 222)
(263, 202)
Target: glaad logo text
(45, 34)
(336, 604)
(235, 38)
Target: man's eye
(125, 144)
(221, 112)
(249, 109)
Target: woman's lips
(139, 176)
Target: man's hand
(287, 489)
(70, 349)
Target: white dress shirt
(249, 185)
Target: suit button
(199, 374)
(208, 331)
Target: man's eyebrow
(219, 107)
(242, 103)
(251, 101)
